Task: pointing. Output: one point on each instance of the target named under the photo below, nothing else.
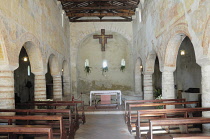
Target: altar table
(106, 92)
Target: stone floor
(104, 126)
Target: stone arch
(32, 46)
(138, 77)
(177, 36)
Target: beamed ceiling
(99, 10)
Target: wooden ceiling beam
(98, 14)
(136, 1)
(99, 8)
(102, 20)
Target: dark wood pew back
(127, 102)
(70, 123)
(26, 129)
(165, 112)
(176, 121)
(29, 118)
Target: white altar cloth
(106, 92)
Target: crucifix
(102, 39)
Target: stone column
(40, 86)
(57, 87)
(67, 87)
(138, 85)
(168, 84)
(7, 95)
(205, 86)
(148, 88)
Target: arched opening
(49, 83)
(24, 79)
(138, 78)
(188, 73)
(157, 79)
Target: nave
(104, 126)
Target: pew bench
(133, 117)
(26, 129)
(69, 123)
(127, 102)
(57, 129)
(176, 121)
(166, 113)
(81, 110)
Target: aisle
(107, 126)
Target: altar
(116, 93)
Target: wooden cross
(102, 39)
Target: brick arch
(32, 46)
(178, 33)
(206, 38)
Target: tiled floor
(104, 126)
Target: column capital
(167, 69)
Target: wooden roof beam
(98, 14)
(99, 8)
(98, 0)
(102, 20)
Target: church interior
(98, 69)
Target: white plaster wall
(79, 32)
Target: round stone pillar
(40, 87)
(205, 86)
(7, 95)
(148, 88)
(57, 87)
(168, 91)
(66, 86)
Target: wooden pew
(26, 129)
(69, 122)
(165, 114)
(48, 120)
(82, 116)
(133, 117)
(176, 121)
(146, 101)
(56, 106)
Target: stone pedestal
(148, 88)
(57, 87)
(40, 87)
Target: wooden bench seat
(176, 121)
(47, 120)
(26, 129)
(69, 123)
(81, 108)
(167, 113)
(132, 120)
(127, 102)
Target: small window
(29, 71)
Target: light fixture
(87, 67)
(141, 67)
(182, 52)
(62, 70)
(86, 63)
(104, 67)
(25, 59)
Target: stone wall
(83, 46)
(36, 25)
